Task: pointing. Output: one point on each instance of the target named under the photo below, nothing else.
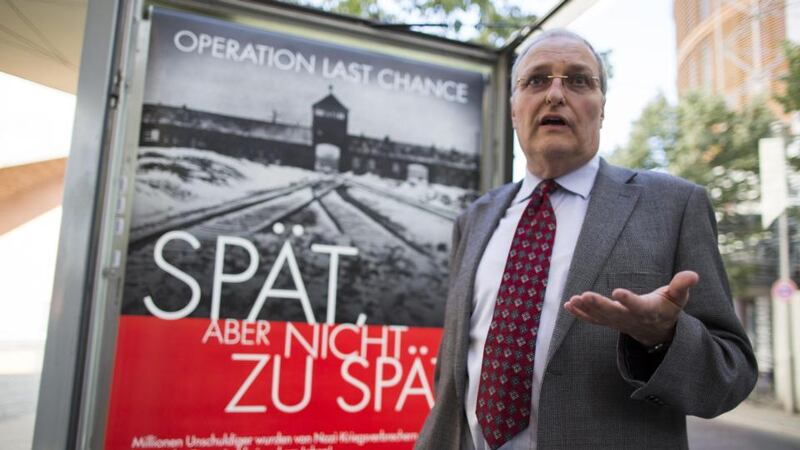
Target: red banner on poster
(197, 383)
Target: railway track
(258, 215)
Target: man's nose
(555, 93)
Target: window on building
(151, 135)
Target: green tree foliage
(651, 136)
(791, 98)
(496, 20)
(702, 140)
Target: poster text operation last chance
(284, 59)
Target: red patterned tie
(504, 395)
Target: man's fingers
(627, 299)
(645, 317)
(678, 291)
(577, 312)
(602, 309)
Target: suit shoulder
(660, 189)
(664, 183)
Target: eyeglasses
(580, 83)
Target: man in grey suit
(569, 320)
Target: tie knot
(546, 187)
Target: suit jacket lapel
(486, 217)
(611, 203)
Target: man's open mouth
(553, 120)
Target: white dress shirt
(569, 203)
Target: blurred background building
(733, 48)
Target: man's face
(558, 126)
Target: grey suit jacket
(640, 229)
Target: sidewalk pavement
(20, 370)
(767, 418)
(16, 433)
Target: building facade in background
(733, 48)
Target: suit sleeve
(454, 246)
(709, 367)
(444, 427)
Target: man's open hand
(648, 318)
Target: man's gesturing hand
(648, 318)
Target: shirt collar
(579, 181)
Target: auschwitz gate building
(326, 146)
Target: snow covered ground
(421, 227)
(174, 181)
(449, 198)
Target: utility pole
(774, 201)
(790, 404)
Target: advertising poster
(290, 233)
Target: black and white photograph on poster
(291, 179)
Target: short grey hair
(559, 33)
